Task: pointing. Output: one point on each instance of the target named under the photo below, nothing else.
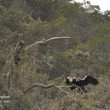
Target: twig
(42, 42)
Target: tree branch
(49, 86)
(42, 42)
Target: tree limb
(49, 86)
(14, 61)
(42, 42)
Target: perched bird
(80, 84)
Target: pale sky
(104, 4)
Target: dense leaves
(86, 52)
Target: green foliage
(14, 20)
(2, 9)
(6, 3)
(43, 9)
(18, 101)
(86, 52)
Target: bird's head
(69, 80)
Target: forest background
(84, 51)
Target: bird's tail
(92, 80)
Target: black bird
(81, 83)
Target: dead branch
(14, 61)
(49, 86)
(16, 54)
(42, 42)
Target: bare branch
(49, 86)
(42, 42)
(14, 61)
(59, 88)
